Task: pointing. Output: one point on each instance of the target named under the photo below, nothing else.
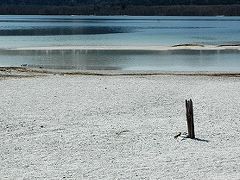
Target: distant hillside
(122, 7)
(115, 2)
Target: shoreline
(33, 72)
(134, 48)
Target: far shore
(137, 48)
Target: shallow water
(47, 31)
(178, 60)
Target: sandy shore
(138, 48)
(118, 127)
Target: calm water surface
(45, 31)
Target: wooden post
(190, 122)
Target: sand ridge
(139, 48)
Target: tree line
(117, 2)
(135, 10)
(122, 7)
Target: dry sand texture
(118, 127)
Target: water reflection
(174, 60)
(28, 31)
(47, 31)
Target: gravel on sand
(119, 127)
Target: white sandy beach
(119, 127)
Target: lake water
(64, 31)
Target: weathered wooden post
(190, 122)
